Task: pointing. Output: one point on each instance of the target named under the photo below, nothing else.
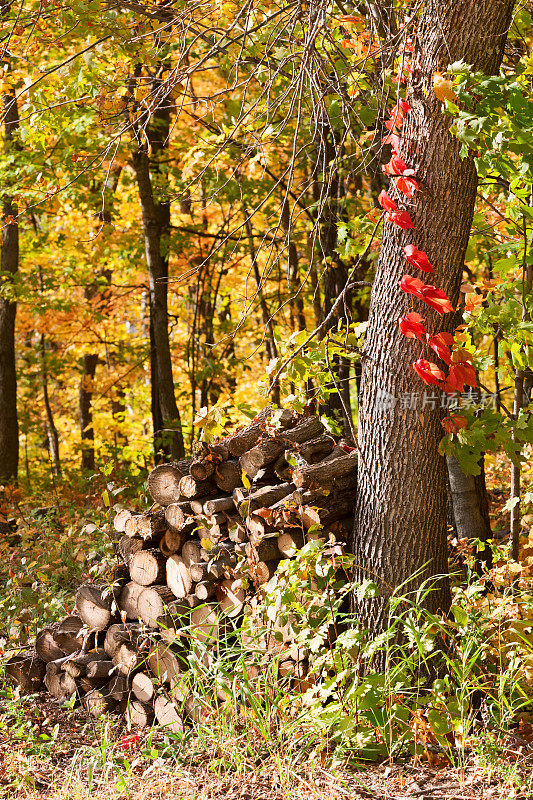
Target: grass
(354, 734)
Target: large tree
(9, 264)
(400, 526)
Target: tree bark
(400, 525)
(9, 263)
(470, 508)
(156, 225)
(85, 398)
(51, 430)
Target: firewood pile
(210, 544)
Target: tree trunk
(85, 397)
(400, 525)
(9, 262)
(51, 430)
(470, 508)
(156, 225)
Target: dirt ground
(104, 761)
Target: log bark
(326, 472)
(218, 505)
(269, 448)
(26, 670)
(400, 524)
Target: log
(191, 488)
(119, 633)
(121, 517)
(205, 589)
(230, 595)
(290, 542)
(264, 571)
(140, 714)
(100, 668)
(218, 505)
(167, 714)
(151, 525)
(26, 670)
(261, 498)
(118, 688)
(163, 482)
(60, 685)
(178, 617)
(219, 449)
(153, 602)
(247, 437)
(126, 658)
(45, 644)
(269, 448)
(237, 530)
(93, 604)
(205, 624)
(317, 449)
(202, 469)
(171, 543)
(325, 472)
(128, 600)
(127, 546)
(228, 475)
(176, 515)
(267, 550)
(97, 702)
(142, 687)
(147, 567)
(165, 662)
(190, 552)
(208, 571)
(178, 576)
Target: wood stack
(220, 524)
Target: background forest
(196, 211)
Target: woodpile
(220, 524)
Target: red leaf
(440, 343)
(411, 285)
(386, 201)
(412, 327)
(465, 373)
(401, 219)
(417, 258)
(454, 423)
(407, 185)
(398, 164)
(428, 371)
(404, 105)
(437, 299)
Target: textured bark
(400, 521)
(9, 263)
(156, 226)
(51, 430)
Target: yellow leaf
(443, 88)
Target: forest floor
(70, 757)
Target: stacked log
(220, 524)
